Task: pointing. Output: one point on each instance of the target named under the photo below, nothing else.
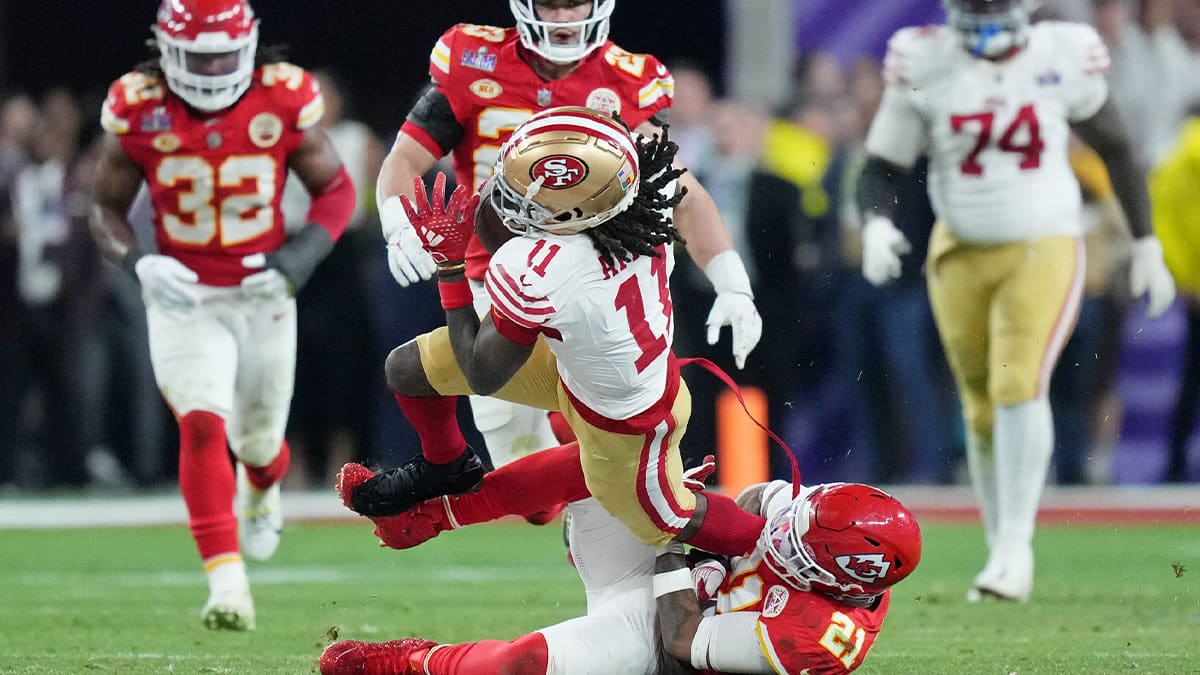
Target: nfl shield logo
(543, 98)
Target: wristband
(727, 273)
(666, 583)
(455, 294)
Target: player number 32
(237, 217)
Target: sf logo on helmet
(559, 171)
(867, 568)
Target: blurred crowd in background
(854, 376)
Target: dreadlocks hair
(263, 56)
(647, 223)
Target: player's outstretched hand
(883, 245)
(693, 478)
(737, 311)
(444, 227)
(1149, 276)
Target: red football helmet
(207, 50)
(848, 540)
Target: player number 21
(1026, 124)
(843, 639)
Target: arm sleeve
(728, 643)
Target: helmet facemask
(563, 171)
(990, 28)
(536, 34)
(207, 51)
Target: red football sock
(527, 485)
(207, 483)
(562, 430)
(527, 655)
(266, 476)
(727, 529)
(435, 419)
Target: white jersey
(610, 328)
(996, 132)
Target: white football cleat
(1008, 575)
(229, 610)
(260, 517)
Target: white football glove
(734, 306)
(883, 245)
(408, 260)
(708, 577)
(166, 282)
(269, 285)
(1148, 275)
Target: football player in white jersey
(992, 98)
(587, 213)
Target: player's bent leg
(529, 485)
(511, 431)
(259, 505)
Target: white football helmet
(849, 540)
(196, 35)
(990, 28)
(536, 34)
(563, 171)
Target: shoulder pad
(1078, 44)
(656, 86)
(915, 53)
(294, 88)
(126, 96)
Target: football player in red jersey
(213, 127)
(486, 81)
(810, 596)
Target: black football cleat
(393, 492)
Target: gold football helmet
(563, 171)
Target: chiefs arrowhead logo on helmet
(870, 567)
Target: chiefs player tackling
(810, 596)
(213, 127)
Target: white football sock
(226, 573)
(1024, 439)
(981, 465)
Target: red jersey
(801, 632)
(483, 73)
(216, 180)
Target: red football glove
(444, 230)
(406, 530)
(693, 478)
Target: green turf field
(1109, 599)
